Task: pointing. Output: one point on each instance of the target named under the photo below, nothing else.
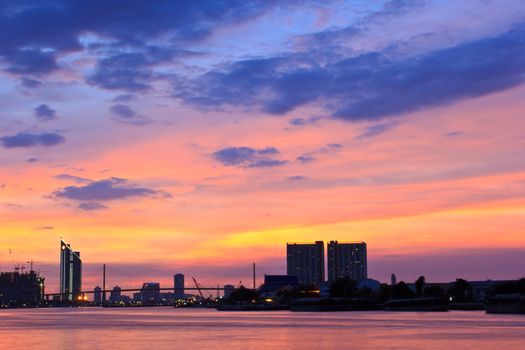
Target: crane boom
(15, 265)
(198, 287)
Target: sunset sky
(201, 136)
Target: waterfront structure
(21, 288)
(306, 261)
(228, 289)
(273, 283)
(97, 295)
(347, 260)
(70, 273)
(178, 286)
(482, 289)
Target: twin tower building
(70, 272)
(306, 261)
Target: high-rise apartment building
(306, 261)
(347, 260)
(178, 285)
(70, 272)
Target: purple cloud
(45, 113)
(296, 178)
(305, 121)
(31, 83)
(91, 206)
(25, 139)
(376, 130)
(313, 155)
(106, 190)
(265, 163)
(305, 158)
(35, 34)
(124, 113)
(248, 157)
(365, 86)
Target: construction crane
(16, 266)
(32, 263)
(199, 288)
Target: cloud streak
(376, 130)
(105, 190)
(309, 157)
(124, 114)
(248, 157)
(91, 206)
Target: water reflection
(168, 328)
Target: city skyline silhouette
(201, 137)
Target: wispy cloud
(77, 179)
(106, 190)
(305, 121)
(91, 206)
(376, 130)
(311, 156)
(44, 228)
(124, 114)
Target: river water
(168, 328)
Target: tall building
(116, 295)
(70, 272)
(347, 260)
(393, 279)
(178, 285)
(228, 289)
(21, 288)
(306, 261)
(150, 292)
(97, 295)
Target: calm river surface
(169, 328)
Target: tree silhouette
(461, 291)
(343, 288)
(401, 291)
(434, 291)
(510, 287)
(242, 295)
(287, 295)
